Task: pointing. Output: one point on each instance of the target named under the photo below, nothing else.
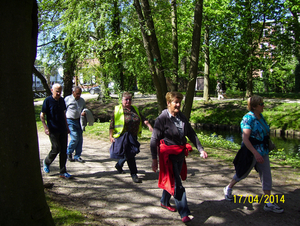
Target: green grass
(63, 216)
(278, 115)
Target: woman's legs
(180, 200)
(228, 189)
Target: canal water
(290, 145)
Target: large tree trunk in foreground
(22, 197)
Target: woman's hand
(259, 158)
(154, 165)
(112, 139)
(203, 154)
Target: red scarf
(166, 179)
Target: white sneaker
(273, 208)
(228, 193)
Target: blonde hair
(126, 94)
(253, 102)
(170, 96)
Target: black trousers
(131, 164)
(59, 146)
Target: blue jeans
(76, 138)
(181, 205)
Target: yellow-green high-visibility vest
(120, 121)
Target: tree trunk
(43, 80)
(174, 84)
(194, 59)
(22, 197)
(160, 86)
(206, 66)
(69, 72)
(296, 29)
(116, 26)
(154, 46)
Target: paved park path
(109, 198)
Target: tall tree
(194, 59)
(294, 25)
(175, 56)
(207, 64)
(152, 50)
(22, 197)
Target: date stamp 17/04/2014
(258, 199)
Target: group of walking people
(64, 116)
(169, 146)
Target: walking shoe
(70, 158)
(273, 208)
(186, 219)
(135, 179)
(119, 168)
(46, 167)
(80, 160)
(170, 208)
(66, 176)
(228, 193)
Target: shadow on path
(109, 198)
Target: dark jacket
(165, 129)
(125, 145)
(243, 159)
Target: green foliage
(286, 158)
(217, 141)
(279, 115)
(282, 115)
(64, 216)
(218, 113)
(109, 32)
(98, 130)
(37, 112)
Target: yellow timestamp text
(258, 199)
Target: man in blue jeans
(54, 109)
(75, 105)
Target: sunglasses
(127, 99)
(261, 104)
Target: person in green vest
(125, 126)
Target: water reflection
(291, 146)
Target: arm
(83, 107)
(67, 123)
(111, 132)
(154, 143)
(193, 137)
(246, 135)
(146, 122)
(42, 117)
(112, 127)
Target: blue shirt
(259, 129)
(55, 113)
